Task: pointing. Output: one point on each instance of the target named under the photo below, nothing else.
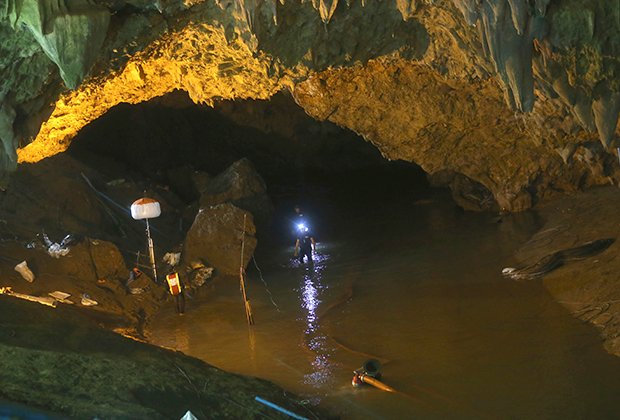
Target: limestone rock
(554, 63)
(242, 186)
(215, 238)
(466, 193)
(606, 110)
(200, 180)
(8, 157)
(70, 32)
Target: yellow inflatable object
(376, 383)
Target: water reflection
(252, 348)
(310, 301)
(315, 340)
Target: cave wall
(520, 96)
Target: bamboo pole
(246, 302)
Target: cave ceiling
(519, 96)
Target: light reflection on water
(315, 339)
(420, 290)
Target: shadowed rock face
(209, 238)
(519, 96)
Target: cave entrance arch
(169, 138)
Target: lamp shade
(145, 208)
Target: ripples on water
(418, 287)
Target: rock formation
(215, 238)
(241, 186)
(512, 94)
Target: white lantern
(145, 208)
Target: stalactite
(248, 10)
(583, 111)
(326, 8)
(8, 157)
(11, 9)
(510, 52)
(71, 34)
(506, 38)
(252, 9)
(565, 90)
(606, 109)
(519, 14)
(541, 6)
(538, 28)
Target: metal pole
(151, 250)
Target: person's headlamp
(302, 227)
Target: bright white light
(302, 227)
(145, 208)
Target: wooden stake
(246, 302)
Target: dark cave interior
(166, 140)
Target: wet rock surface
(241, 186)
(588, 288)
(61, 361)
(215, 238)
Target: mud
(59, 361)
(588, 288)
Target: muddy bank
(62, 362)
(65, 360)
(588, 288)
(61, 198)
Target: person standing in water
(305, 244)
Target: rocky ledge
(588, 288)
(63, 363)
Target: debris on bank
(23, 269)
(557, 259)
(43, 300)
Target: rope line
(260, 275)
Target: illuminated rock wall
(520, 96)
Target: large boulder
(466, 192)
(215, 238)
(242, 186)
